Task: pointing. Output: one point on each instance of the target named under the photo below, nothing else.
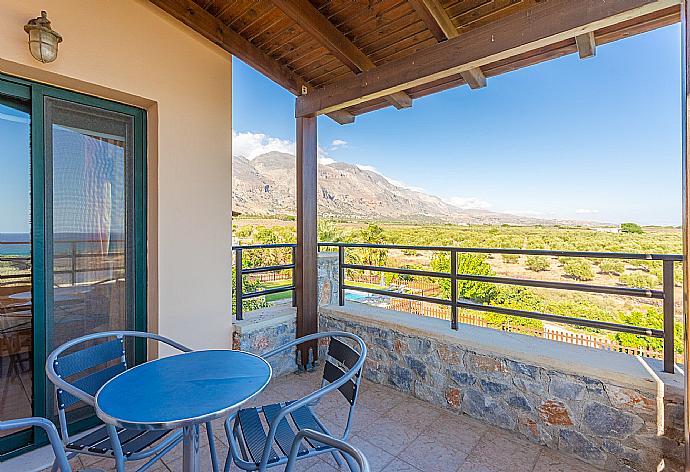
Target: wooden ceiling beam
(435, 18)
(544, 24)
(320, 28)
(586, 45)
(342, 117)
(441, 26)
(210, 27)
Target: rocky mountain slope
(266, 186)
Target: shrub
(653, 318)
(579, 269)
(638, 280)
(247, 287)
(538, 263)
(612, 267)
(631, 228)
(474, 264)
(511, 258)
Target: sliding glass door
(72, 236)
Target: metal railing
(666, 294)
(241, 271)
(72, 255)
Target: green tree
(247, 287)
(614, 267)
(651, 318)
(579, 269)
(631, 228)
(328, 232)
(537, 263)
(638, 280)
(471, 264)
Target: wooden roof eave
(519, 33)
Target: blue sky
(595, 139)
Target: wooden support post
(305, 264)
(685, 118)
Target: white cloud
(251, 145)
(369, 168)
(391, 181)
(338, 143)
(586, 211)
(524, 212)
(469, 203)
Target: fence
(666, 294)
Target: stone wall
(629, 420)
(263, 330)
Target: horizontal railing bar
(269, 291)
(18, 276)
(255, 270)
(265, 246)
(422, 273)
(626, 291)
(389, 293)
(528, 252)
(656, 333)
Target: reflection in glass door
(16, 321)
(90, 152)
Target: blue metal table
(182, 391)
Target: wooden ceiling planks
(383, 30)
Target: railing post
(341, 275)
(238, 283)
(669, 324)
(454, 288)
(294, 277)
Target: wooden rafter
(586, 45)
(441, 26)
(319, 27)
(194, 16)
(544, 24)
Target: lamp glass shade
(43, 45)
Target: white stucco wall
(129, 50)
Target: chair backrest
(341, 361)
(89, 369)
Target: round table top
(182, 390)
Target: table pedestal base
(190, 448)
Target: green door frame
(41, 247)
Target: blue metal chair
(252, 447)
(78, 375)
(53, 437)
(344, 447)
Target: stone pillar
(328, 278)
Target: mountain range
(265, 185)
